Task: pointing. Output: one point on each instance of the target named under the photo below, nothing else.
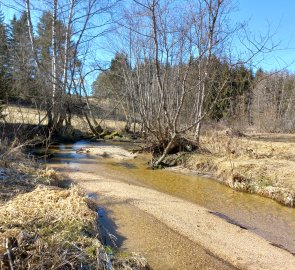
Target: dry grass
(50, 228)
(262, 164)
(53, 228)
(24, 115)
(252, 147)
(19, 173)
(46, 227)
(36, 225)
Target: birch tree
(174, 50)
(168, 50)
(83, 22)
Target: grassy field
(25, 115)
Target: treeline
(175, 68)
(19, 79)
(258, 101)
(112, 85)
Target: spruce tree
(4, 60)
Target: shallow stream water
(265, 217)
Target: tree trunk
(165, 152)
(198, 133)
(54, 62)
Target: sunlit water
(274, 222)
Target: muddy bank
(223, 239)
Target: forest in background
(174, 68)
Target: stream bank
(257, 164)
(131, 183)
(44, 226)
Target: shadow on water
(108, 230)
(126, 165)
(228, 219)
(109, 235)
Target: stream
(265, 217)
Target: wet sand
(162, 247)
(190, 229)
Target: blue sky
(279, 17)
(276, 16)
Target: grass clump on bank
(54, 228)
(49, 228)
(265, 167)
(46, 227)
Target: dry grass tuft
(50, 228)
(54, 228)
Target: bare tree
(81, 26)
(165, 57)
(173, 53)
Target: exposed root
(160, 149)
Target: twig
(8, 254)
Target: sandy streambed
(104, 151)
(234, 245)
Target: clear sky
(279, 17)
(276, 16)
